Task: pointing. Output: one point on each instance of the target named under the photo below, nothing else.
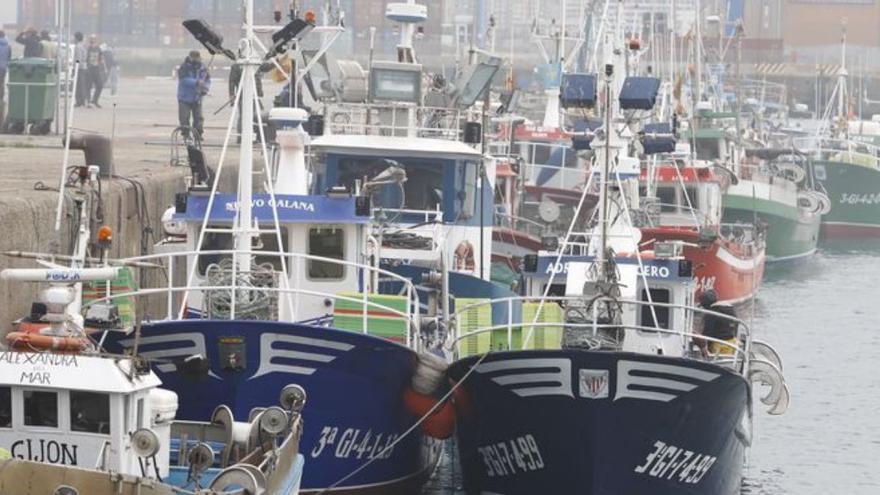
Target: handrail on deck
(411, 315)
(743, 330)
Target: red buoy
(441, 423)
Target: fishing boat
(727, 258)
(774, 187)
(846, 159)
(601, 389)
(336, 275)
(75, 419)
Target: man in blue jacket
(193, 82)
(5, 56)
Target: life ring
(29, 341)
(441, 423)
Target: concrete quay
(139, 119)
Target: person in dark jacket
(95, 71)
(193, 83)
(720, 328)
(5, 57)
(33, 46)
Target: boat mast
(244, 227)
(841, 85)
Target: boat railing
(287, 292)
(738, 350)
(520, 224)
(391, 119)
(679, 215)
(829, 149)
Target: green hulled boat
(791, 215)
(850, 173)
(770, 187)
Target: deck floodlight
(578, 91)
(293, 31)
(657, 137)
(475, 80)
(210, 39)
(639, 93)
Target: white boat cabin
(310, 226)
(79, 410)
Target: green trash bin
(32, 92)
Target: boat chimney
(290, 176)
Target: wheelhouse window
(327, 242)
(5, 407)
(662, 312)
(221, 241)
(90, 412)
(422, 190)
(674, 199)
(40, 408)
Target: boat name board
(647, 270)
(41, 450)
(675, 463)
(282, 203)
(39, 365)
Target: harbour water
(822, 316)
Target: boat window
(5, 407)
(691, 193)
(40, 408)
(662, 312)
(468, 189)
(90, 412)
(422, 190)
(328, 242)
(220, 241)
(708, 149)
(140, 413)
(666, 194)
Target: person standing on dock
(96, 71)
(5, 57)
(33, 46)
(112, 68)
(79, 53)
(193, 83)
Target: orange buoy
(441, 423)
(32, 341)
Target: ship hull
(600, 423)
(854, 191)
(354, 382)
(733, 271)
(791, 234)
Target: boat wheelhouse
(683, 213)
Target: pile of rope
(251, 303)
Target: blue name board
(290, 208)
(663, 269)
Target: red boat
(684, 205)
